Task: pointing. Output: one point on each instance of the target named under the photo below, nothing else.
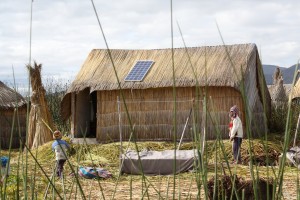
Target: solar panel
(139, 70)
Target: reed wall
(151, 113)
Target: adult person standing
(236, 134)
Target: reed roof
(295, 90)
(10, 98)
(211, 66)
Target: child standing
(60, 148)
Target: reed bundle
(39, 116)
(263, 152)
(224, 188)
(260, 155)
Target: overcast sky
(65, 31)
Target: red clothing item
(230, 124)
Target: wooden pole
(120, 124)
(204, 118)
(120, 131)
(186, 122)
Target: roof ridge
(210, 46)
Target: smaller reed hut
(295, 91)
(12, 117)
(295, 95)
(208, 80)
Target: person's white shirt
(237, 128)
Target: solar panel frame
(139, 70)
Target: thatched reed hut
(220, 73)
(295, 90)
(12, 117)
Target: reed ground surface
(132, 186)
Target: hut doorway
(86, 107)
(93, 120)
(82, 114)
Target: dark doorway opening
(93, 112)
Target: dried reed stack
(224, 188)
(278, 94)
(39, 116)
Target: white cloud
(64, 32)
